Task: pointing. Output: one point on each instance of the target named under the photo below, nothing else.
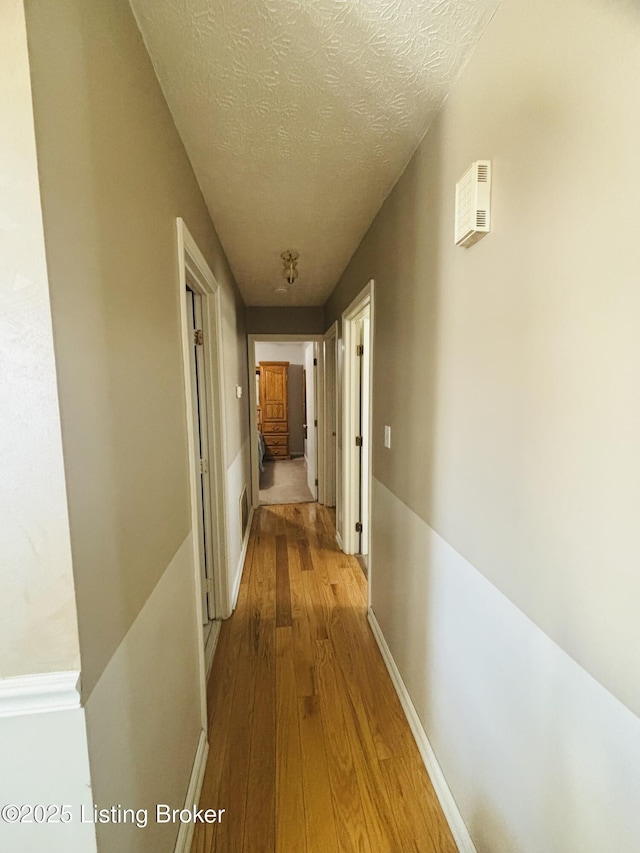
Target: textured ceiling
(300, 115)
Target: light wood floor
(309, 747)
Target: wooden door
(274, 408)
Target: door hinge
(315, 362)
(358, 441)
(198, 337)
(358, 527)
(360, 349)
(316, 481)
(315, 422)
(204, 466)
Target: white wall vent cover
(473, 204)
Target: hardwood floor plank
(318, 806)
(315, 609)
(309, 747)
(290, 825)
(283, 590)
(350, 823)
(362, 663)
(408, 787)
(298, 609)
(304, 658)
(260, 812)
(305, 555)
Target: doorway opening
(355, 492)
(287, 423)
(201, 331)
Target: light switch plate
(387, 436)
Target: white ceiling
(300, 115)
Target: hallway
(309, 747)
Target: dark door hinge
(316, 481)
(315, 362)
(358, 527)
(358, 441)
(360, 349)
(315, 422)
(198, 337)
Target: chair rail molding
(40, 693)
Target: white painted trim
(192, 261)
(40, 693)
(185, 833)
(339, 541)
(443, 792)
(243, 554)
(318, 391)
(253, 404)
(329, 476)
(349, 414)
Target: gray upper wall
(114, 176)
(285, 321)
(509, 371)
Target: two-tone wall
(505, 547)
(43, 739)
(114, 177)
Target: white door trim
(330, 387)
(192, 264)
(350, 416)
(253, 405)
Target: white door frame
(330, 405)
(193, 266)
(200, 407)
(253, 405)
(350, 419)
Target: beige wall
(285, 321)
(114, 177)
(509, 372)
(38, 628)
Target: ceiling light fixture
(290, 260)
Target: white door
(362, 340)
(311, 444)
(200, 410)
(365, 414)
(330, 414)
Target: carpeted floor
(285, 482)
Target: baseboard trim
(39, 693)
(185, 833)
(339, 541)
(443, 792)
(243, 554)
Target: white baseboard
(39, 693)
(443, 792)
(339, 541)
(243, 554)
(185, 834)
